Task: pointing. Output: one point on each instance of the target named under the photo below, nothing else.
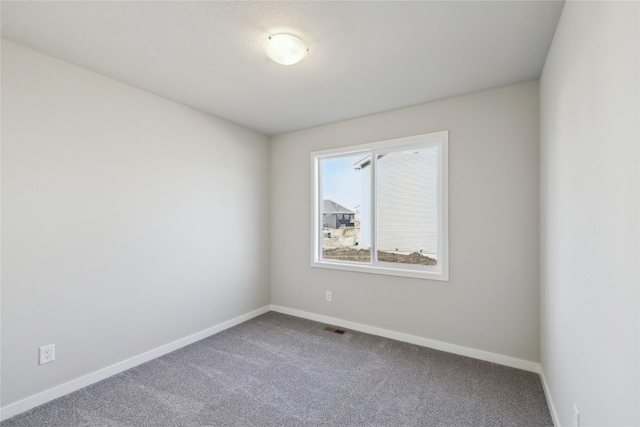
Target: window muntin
(396, 192)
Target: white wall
(589, 214)
(491, 301)
(128, 221)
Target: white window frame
(438, 272)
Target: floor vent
(337, 331)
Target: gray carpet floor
(279, 370)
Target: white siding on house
(406, 202)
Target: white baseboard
(547, 394)
(78, 383)
(413, 339)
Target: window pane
(407, 206)
(346, 197)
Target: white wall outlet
(328, 296)
(47, 353)
(576, 416)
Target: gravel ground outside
(364, 255)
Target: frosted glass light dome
(285, 49)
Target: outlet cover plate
(47, 353)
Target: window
(383, 207)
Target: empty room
(309, 213)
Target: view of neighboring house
(407, 201)
(334, 215)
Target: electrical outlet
(576, 416)
(47, 353)
(328, 296)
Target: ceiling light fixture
(285, 49)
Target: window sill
(416, 273)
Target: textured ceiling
(364, 57)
